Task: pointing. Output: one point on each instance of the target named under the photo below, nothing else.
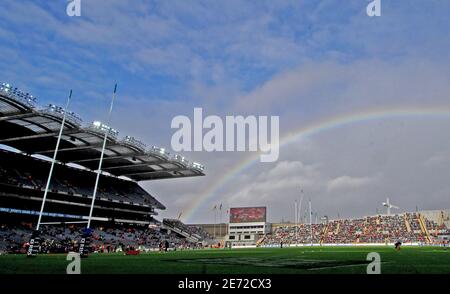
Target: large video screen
(247, 214)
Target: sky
(312, 63)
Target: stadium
(217, 144)
(126, 234)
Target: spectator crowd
(408, 227)
(14, 238)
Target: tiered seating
(23, 171)
(189, 231)
(293, 235)
(59, 239)
(373, 229)
(197, 230)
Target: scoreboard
(247, 214)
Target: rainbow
(214, 189)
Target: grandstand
(124, 213)
(194, 234)
(410, 228)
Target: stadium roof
(35, 131)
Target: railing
(194, 165)
(423, 227)
(18, 95)
(159, 151)
(101, 128)
(198, 166)
(59, 112)
(181, 159)
(132, 142)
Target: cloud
(343, 183)
(437, 160)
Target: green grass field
(307, 260)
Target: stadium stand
(380, 229)
(192, 233)
(26, 172)
(106, 238)
(295, 234)
(200, 231)
(123, 212)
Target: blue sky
(302, 60)
(161, 48)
